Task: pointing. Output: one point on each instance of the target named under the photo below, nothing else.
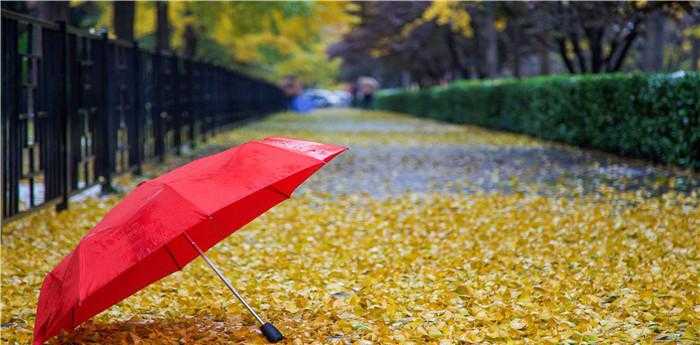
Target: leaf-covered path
(423, 232)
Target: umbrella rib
(189, 202)
(195, 208)
(289, 150)
(172, 256)
(208, 261)
(275, 189)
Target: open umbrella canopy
(147, 235)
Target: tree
(275, 39)
(653, 59)
(592, 37)
(190, 38)
(694, 36)
(543, 54)
(50, 10)
(266, 39)
(455, 22)
(596, 37)
(162, 27)
(516, 29)
(422, 41)
(417, 41)
(123, 19)
(488, 41)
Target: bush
(655, 117)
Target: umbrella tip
(271, 333)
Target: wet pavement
(391, 154)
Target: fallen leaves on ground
(441, 268)
(405, 269)
(364, 128)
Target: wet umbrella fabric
(147, 235)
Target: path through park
(423, 232)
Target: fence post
(83, 117)
(11, 81)
(158, 135)
(138, 110)
(65, 112)
(107, 125)
(177, 114)
(191, 89)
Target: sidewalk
(423, 232)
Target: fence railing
(79, 108)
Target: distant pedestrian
(366, 88)
(292, 87)
(352, 90)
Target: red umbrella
(167, 222)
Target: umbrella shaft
(223, 279)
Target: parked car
(344, 98)
(320, 98)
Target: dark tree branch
(191, 40)
(543, 40)
(626, 46)
(561, 44)
(607, 62)
(123, 19)
(162, 27)
(595, 39)
(455, 60)
(579, 54)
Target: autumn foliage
(481, 250)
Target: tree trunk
(455, 60)
(595, 40)
(561, 44)
(53, 10)
(654, 48)
(543, 55)
(162, 27)
(477, 57)
(695, 48)
(516, 55)
(695, 54)
(490, 41)
(123, 19)
(190, 37)
(405, 79)
(629, 39)
(545, 66)
(579, 53)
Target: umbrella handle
(271, 333)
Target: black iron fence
(78, 108)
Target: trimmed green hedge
(655, 117)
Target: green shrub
(656, 117)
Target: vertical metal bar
(108, 133)
(176, 113)
(137, 108)
(64, 114)
(11, 80)
(32, 170)
(158, 107)
(206, 98)
(191, 90)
